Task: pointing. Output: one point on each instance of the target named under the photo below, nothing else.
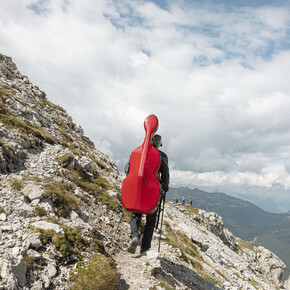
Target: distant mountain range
(279, 202)
(243, 219)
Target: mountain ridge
(257, 195)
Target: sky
(215, 73)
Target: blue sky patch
(38, 7)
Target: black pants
(135, 222)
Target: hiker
(176, 200)
(135, 219)
(183, 201)
(190, 202)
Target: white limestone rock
(48, 226)
(3, 217)
(25, 210)
(286, 284)
(32, 241)
(272, 266)
(35, 202)
(37, 285)
(34, 255)
(8, 278)
(48, 274)
(33, 191)
(6, 228)
(17, 251)
(73, 215)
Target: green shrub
(126, 216)
(65, 160)
(244, 244)
(99, 273)
(4, 91)
(192, 209)
(60, 195)
(97, 188)
(17, 184)
(46, 235)
(256, 284)
(165, 285)
(52, 219)
(40, 211)
(29, 262)
(65, 144)
(69, 242)
(100, 163)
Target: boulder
(33, 191)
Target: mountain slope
(59, 214)
(244, 219)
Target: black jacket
(164, 172)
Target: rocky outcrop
(59, 209)
(228, 260)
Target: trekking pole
(158, 216)
(161, 221)
(119, 223)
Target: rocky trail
(157, 270)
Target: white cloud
(216, 78)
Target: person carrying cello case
(147, 176)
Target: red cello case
(141, 189)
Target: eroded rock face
(271, 265)
(227, 259)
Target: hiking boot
(143, 251)
(143, 254)
(133, 245)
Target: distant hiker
(135, 219)
(190, 202)
(183, 201)
(176, 200)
